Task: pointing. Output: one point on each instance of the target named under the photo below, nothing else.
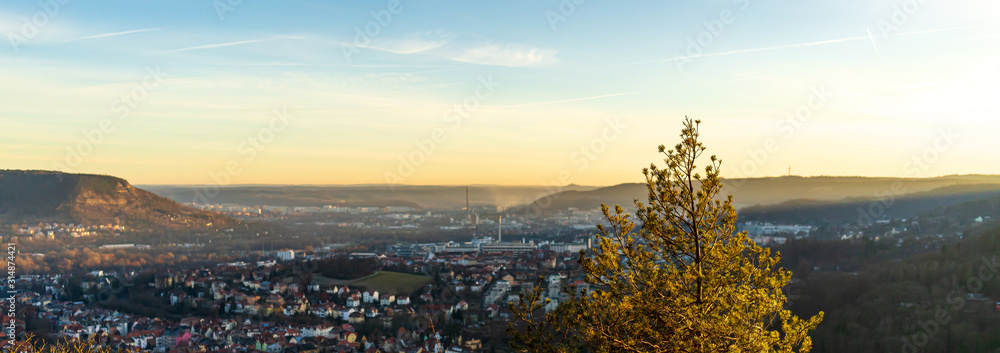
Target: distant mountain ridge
(865, 210)
(418, 196)
(48, 196)
(764, 191)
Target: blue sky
(573, 92)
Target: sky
(495, 92)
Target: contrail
(873, 42)
(217, 45)
(114, 34)
(741, 51)
(797, 45)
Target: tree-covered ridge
(44, 196)
(944, 301)
(884, 205)
(820, 190)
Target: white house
(320, 310)
(402, 300)
(346, 314)
(319, 330)
(497, 291)
(387, 299)
(369, 297)
(286, 255)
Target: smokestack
(468, 212)
(499, 230)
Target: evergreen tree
(686, 281)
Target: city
(552, 176)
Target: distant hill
(45, 196)
(451, 197)
(765, 191)
(839, 212)
(984, 207)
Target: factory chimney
(499, 230)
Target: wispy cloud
(507, 55)
(413, 43)
(16, 24)
(112, 34)
(407, 46)
(417, 42)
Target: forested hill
(942, 301)
(46, 196)
(766, 191)
(840, 212)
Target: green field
(383, 281)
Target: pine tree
(685, 281)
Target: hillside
(889, 306)
(367, 195)
(821, 212)
(766, 191)
(37, 196)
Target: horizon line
(567, 185)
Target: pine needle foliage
(30, 344)
(683, 280)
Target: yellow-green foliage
(685, 281)
(64, 346)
